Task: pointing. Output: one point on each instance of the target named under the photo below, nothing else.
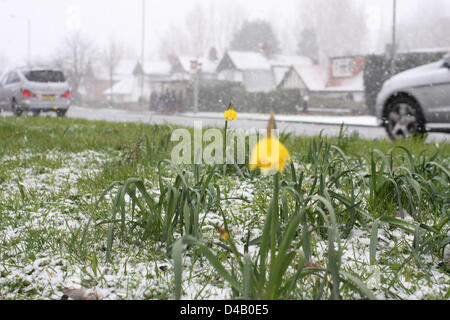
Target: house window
(342, 68)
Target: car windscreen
(45, 76)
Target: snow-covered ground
(303, 125)
(30, 269)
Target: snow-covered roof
(126, 68)
(249, 60)
(289, 61)
(208, 66)
(355, 83)
(243, 61)
(185, 62)
(123, 87)
(158, 68)
(279, 72)
(316, 78)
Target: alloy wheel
(403, 121)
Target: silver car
(35, 90)
(416, 101)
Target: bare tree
(197, 27)
(75, 57)
(340, 26)
(210, 24)
(176, 42)
(308, 45)
(428, 27)
(112, 55)
(253, 34)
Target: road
(301, 129)
(183, 120)
(297, 128)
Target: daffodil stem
(274, 217)
(225, 148)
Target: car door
(437, 95)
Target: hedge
(216, 97)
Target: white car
(36, 90)
(416, 101)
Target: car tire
(16, 109)
(404, 119)
(36, 113)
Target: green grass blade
(358, 284)
(177, 257)
(374, 242)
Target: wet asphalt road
(301, 129)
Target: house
(157, 75)
(125, 91)
(257, 72)
(251, 69)
(346, 74)
(281, 64)
(184, 68)
(342, 80)
(141, 82)
(98, 79)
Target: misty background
(191, 27)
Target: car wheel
(61, 113)
(404, 119)
(16, 109)
(36, 113)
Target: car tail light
(27, 93)
(66, 94)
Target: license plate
(55, 108)
(48, 97)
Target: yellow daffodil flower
(230, 114)
(270, 155)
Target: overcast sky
(101, 19)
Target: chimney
(267, 50)
(172, 58)
(213, 55)
(138, 70)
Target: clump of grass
(146, 216)
(280, 264)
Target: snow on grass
(38, 260)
